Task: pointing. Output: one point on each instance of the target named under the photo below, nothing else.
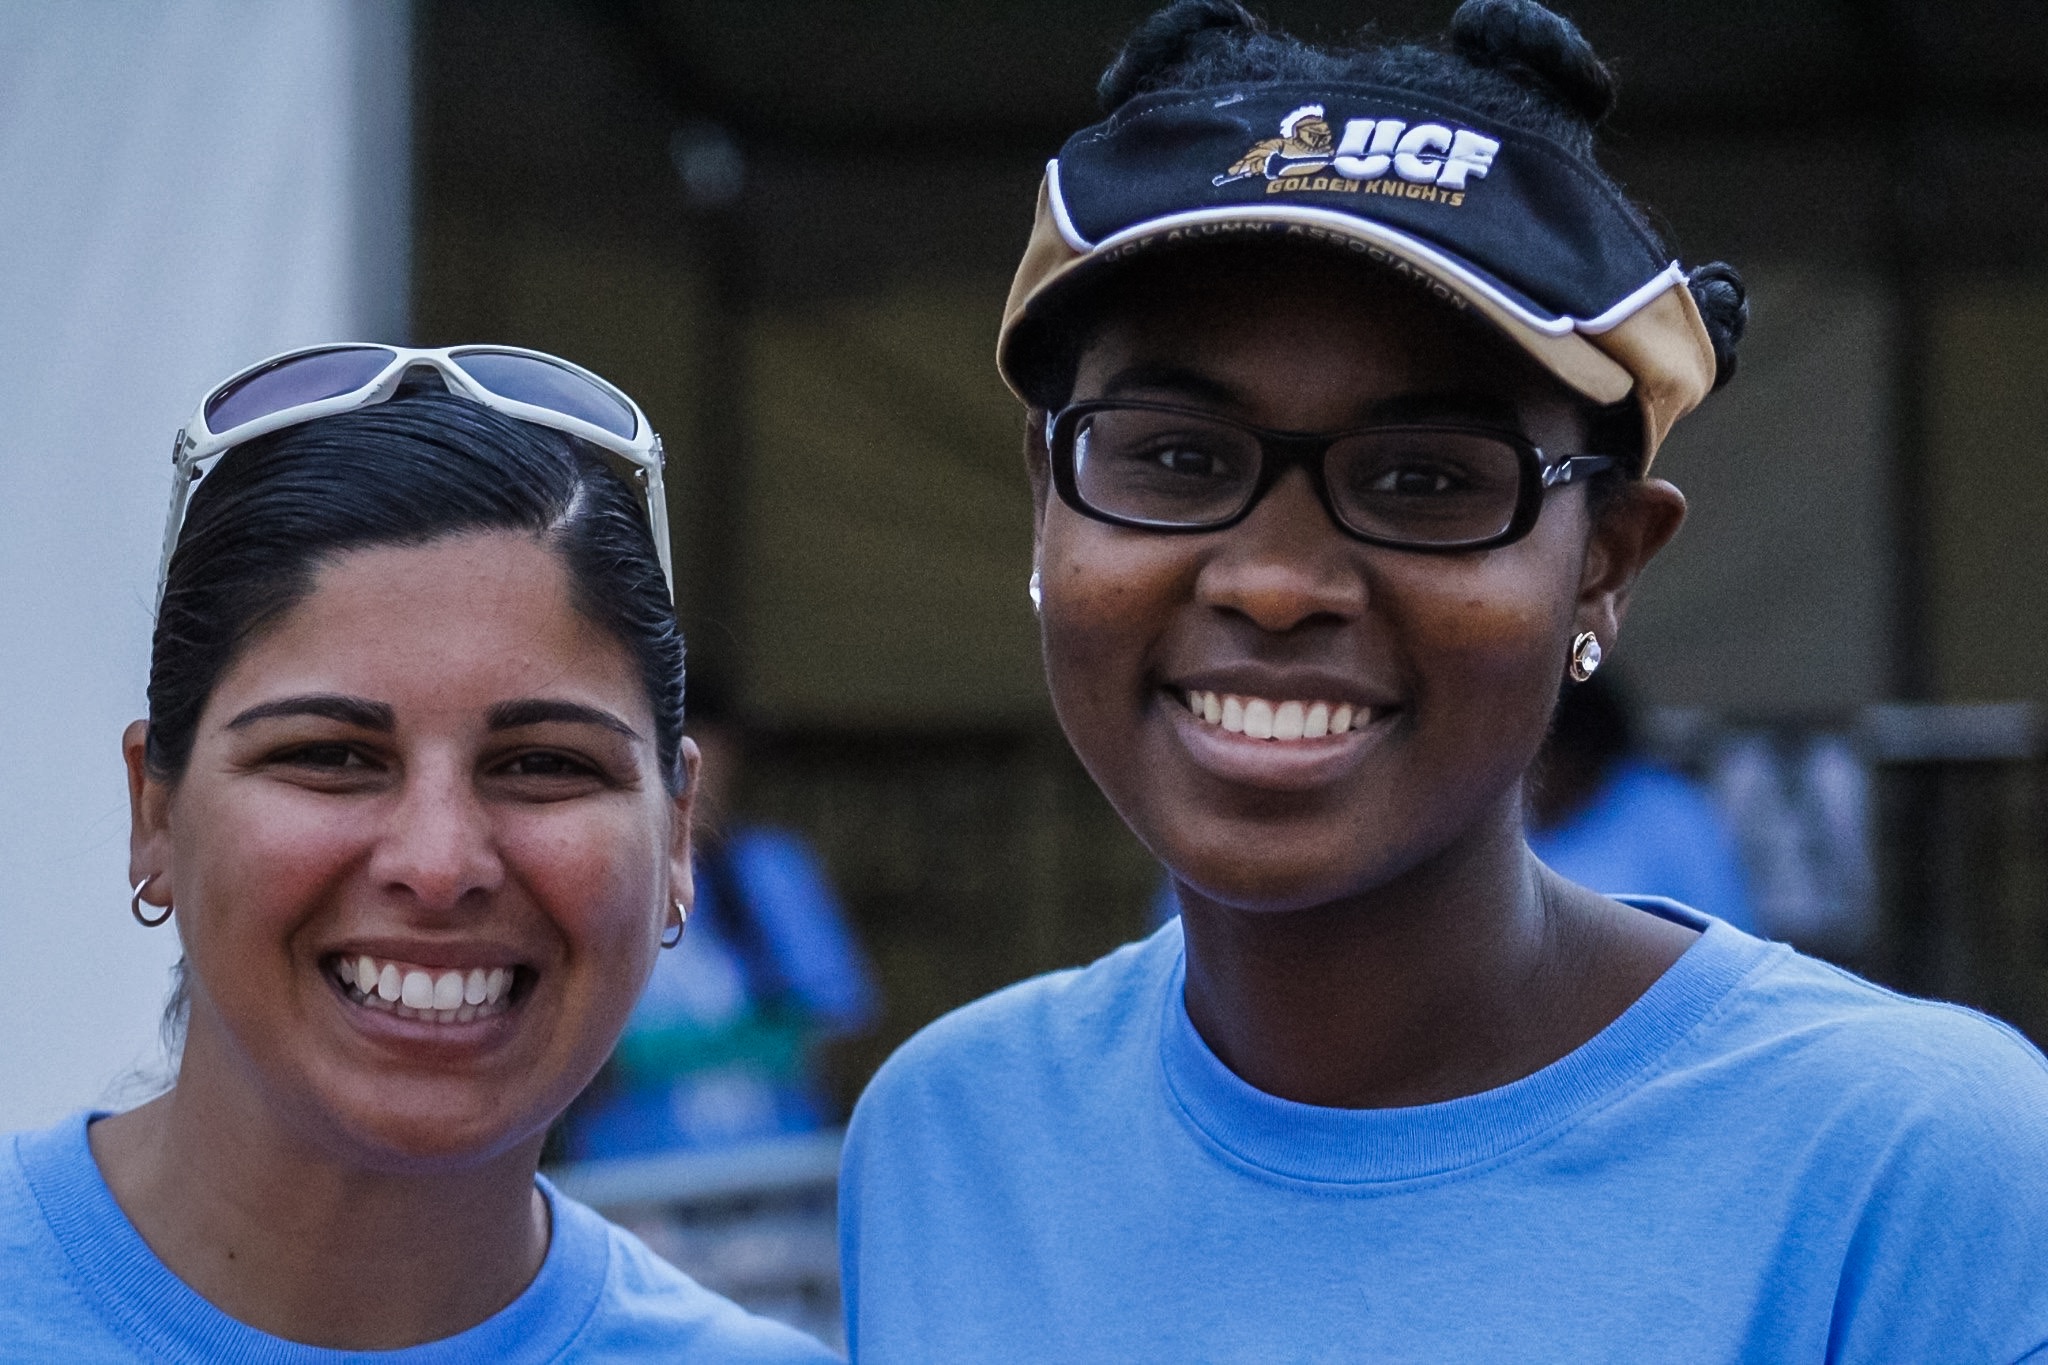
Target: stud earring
(1585, 655)
(1035, 590)
(682, 922)
(135, 907)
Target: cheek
(253, 866)
(1485, 640)
(1109, 594)
(595, 875)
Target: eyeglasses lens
(1425, 486)
(1167, 468)
(294, 381)
(1415, 486)
(541, 384)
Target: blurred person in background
(1345, 370)
(1607, 816)
(722, 1047)
(414, 793)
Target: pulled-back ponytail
(1538, 47)
(1166, 41)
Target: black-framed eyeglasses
(1433, 487)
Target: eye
(1191, 461)
(322, 758)
(546, 763)
(1416, 480)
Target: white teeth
(454, 996)
(448, 991)
(418, 991)
(1281, 721)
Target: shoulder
(649, 1310)
(1035, 1027)
(45, 1310)
(1936, 1077)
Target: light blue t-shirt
(78, 1284)
(1763, 1159)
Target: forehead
(456, 624)
(1306, 330)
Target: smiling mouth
(442, 995)
(1280, 721)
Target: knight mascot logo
(1303, 148)
(1385, 156)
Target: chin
(422, 1129)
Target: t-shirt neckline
(1311, 1143)
(144, 1300)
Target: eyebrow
(1177, 378)
(511, 715)
(1405, 407)
(356, 711)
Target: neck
(281, 1233)
(1467, 972)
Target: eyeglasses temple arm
(1566, 470)
(181, 492)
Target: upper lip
(437, 953)
(1285, 684)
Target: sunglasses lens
(293, 381)
(544, 384)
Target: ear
(682, 884)
(149, 818)
(1630, 529)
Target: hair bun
(1165, 41)
(1723, 301)
(1525, 40)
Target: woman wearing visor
(414, 796)
(1345, 372)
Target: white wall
(184, 188)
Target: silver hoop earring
(1585, 656)
(135, 907)
(1035, 590)
(669, 940)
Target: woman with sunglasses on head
(414, 795)
(1345, 372)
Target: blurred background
(788, 229)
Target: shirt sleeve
(1950, 1259)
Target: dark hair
(415, 469)
(1512, 61)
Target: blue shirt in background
(78, 1284)
(718, 1049)
(1763, 1159)
(1650, 832)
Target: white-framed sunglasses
(319, 381)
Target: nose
(1286, 564)
(438, 849)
